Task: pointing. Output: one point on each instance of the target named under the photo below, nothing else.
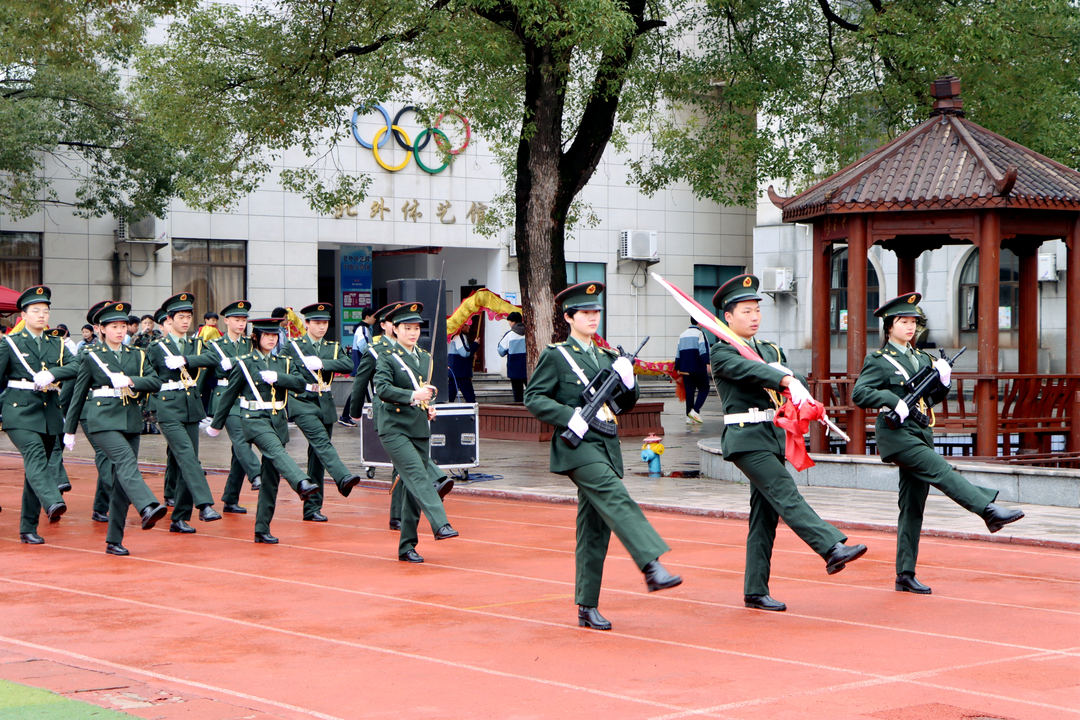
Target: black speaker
(428, 292)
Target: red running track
(329, 624)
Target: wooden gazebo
(945, 181)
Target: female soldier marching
(112, 376)
(911, 446)
(260, 380)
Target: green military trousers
(397, 494)
(605, 506)
(418, 474)
(276, 463)
(321, 456)
(104, 473)
(172, 472)
(921, 467)
(39, 485)
(56, 462)
(773, 495)
(192, 490)
(244, 461)
(129, 488)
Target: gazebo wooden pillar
(946, 181)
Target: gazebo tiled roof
(944, 163)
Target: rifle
(926, 385)
(597, 395)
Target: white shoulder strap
(251, 383)
(15, 349)
(898, 366)
(412, 377)
(574, 366)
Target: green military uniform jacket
(121, 414)
(185, 404)
(554, 391)
(231, 350)
(394, 386)
(365, 373)
(307, 402)
(743, 385)
(256, 422)
(880, 385)
(29, 409)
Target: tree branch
(836, 19)
(407, 36)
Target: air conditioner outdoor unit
(511, 243)
(141, 232)
(638, 245)
(778, 280)
(1048, 267)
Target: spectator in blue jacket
(512, 347)
(460, 356)
(692, 362)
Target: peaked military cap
(907, 305)
(240, 308)
(92, 313)
(113, 312)
(34, 295)
(160, 315)
(318, 311)
(406, 312)
(381, 313)
(737, 289)
(179, 302)
(267, 325)
(583, 296)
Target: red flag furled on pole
(795, 420)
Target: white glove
(43, 378)
(212, 432)
(625, 368)
(69, 442)
(577, 424)
(781, 368)
(799, 393)
(175, 362)
(945, 370)
(119, 380)
(226, 364)
(902, 409)
(268, 376)
(313, 362)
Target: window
(20, 262)
(579, 272)
(214, 270)
(707, 278)
(838, 296)
(1008, 294)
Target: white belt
(108, 392)
(261, 405)
(23, 385)
(750, 418)
(173, 385)
(223, 382)
(315, 388)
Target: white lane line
(165, 678)
(344, 643)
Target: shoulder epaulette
(558, 344)
(609, 351)
(878, 352)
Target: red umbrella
(8, 298)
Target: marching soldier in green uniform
(404, 422)
(172, 471)
(32, 362)
(312, 407)
(179, 409)
(595, 466)
(260, 382)
(750, 391)
(233, 344)
(56, 462)
(911, 446)
(111, 378)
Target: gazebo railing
(1034, 407)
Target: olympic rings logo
(412, 148)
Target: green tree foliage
(832, 80)
(547, 83)
(62, 100)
